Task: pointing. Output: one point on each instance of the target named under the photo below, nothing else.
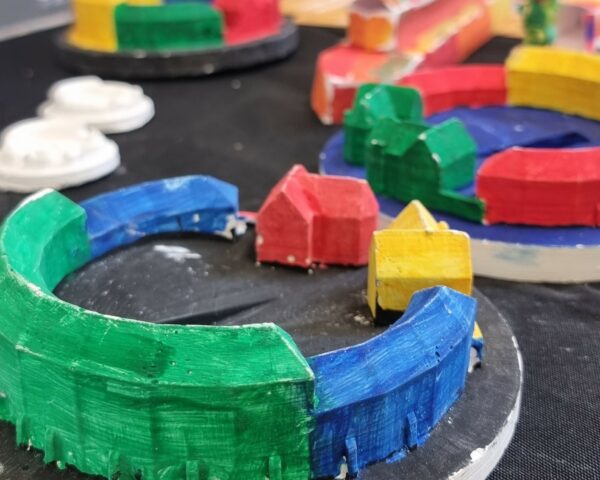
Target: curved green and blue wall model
(129, 399)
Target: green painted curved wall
(122, 398)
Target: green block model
(129, 399)
(177, 26)
(374, 102)
(408, 161)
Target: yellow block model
(94, 26)
(413, 253)
(556, 79)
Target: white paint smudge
(361, 319)
(177, 254)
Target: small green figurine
(539, 18)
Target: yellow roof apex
(416, 217)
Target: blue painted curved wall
(184, 204)
(381, 398)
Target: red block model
(466, 85)
(249, 19)
(310, 219)
(542, 186)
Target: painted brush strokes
(112, 396)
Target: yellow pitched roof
(416, 217)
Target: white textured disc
(56, 153)
(112, 107)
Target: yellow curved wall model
(556, 79)
(94, 26)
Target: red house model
(547, 187)
(310, 219)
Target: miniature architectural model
(558, 197)
(310, 219)
(556, 79)
(55, 153)
(466, 85)
(174, 38)
(373, 24)
(112, 107)
(367, 411)
(161, 391)
(374, 102)
(413, 253)
(191, 25)
(409, 161)
(173, 411)
(542, 187)
(154, 25)
(249, 20)
(389, 39)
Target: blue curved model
(183, 204)
(379, 399)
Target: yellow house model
(413, 253)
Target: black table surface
(248, 128)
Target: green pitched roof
(449, 142)
(376, 101)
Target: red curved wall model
(545, 187)
(249, 20)
(461, 86)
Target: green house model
(180, 26)
(374, 102)
(410, 160)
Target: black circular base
(188, 63)
(204, 280)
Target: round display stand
(179, 63)
(204, 280)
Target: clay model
(408, 160)
(389, 39)
(153, 401)
(309, 219)
(557, 233)
(555, 79)
(368, 412)
(56, 153)
(373, 24)
(374, 102)
(117, 25)
(465, 85)
(416, 252)
(111, 107)
(542, 186)
(166, 38)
